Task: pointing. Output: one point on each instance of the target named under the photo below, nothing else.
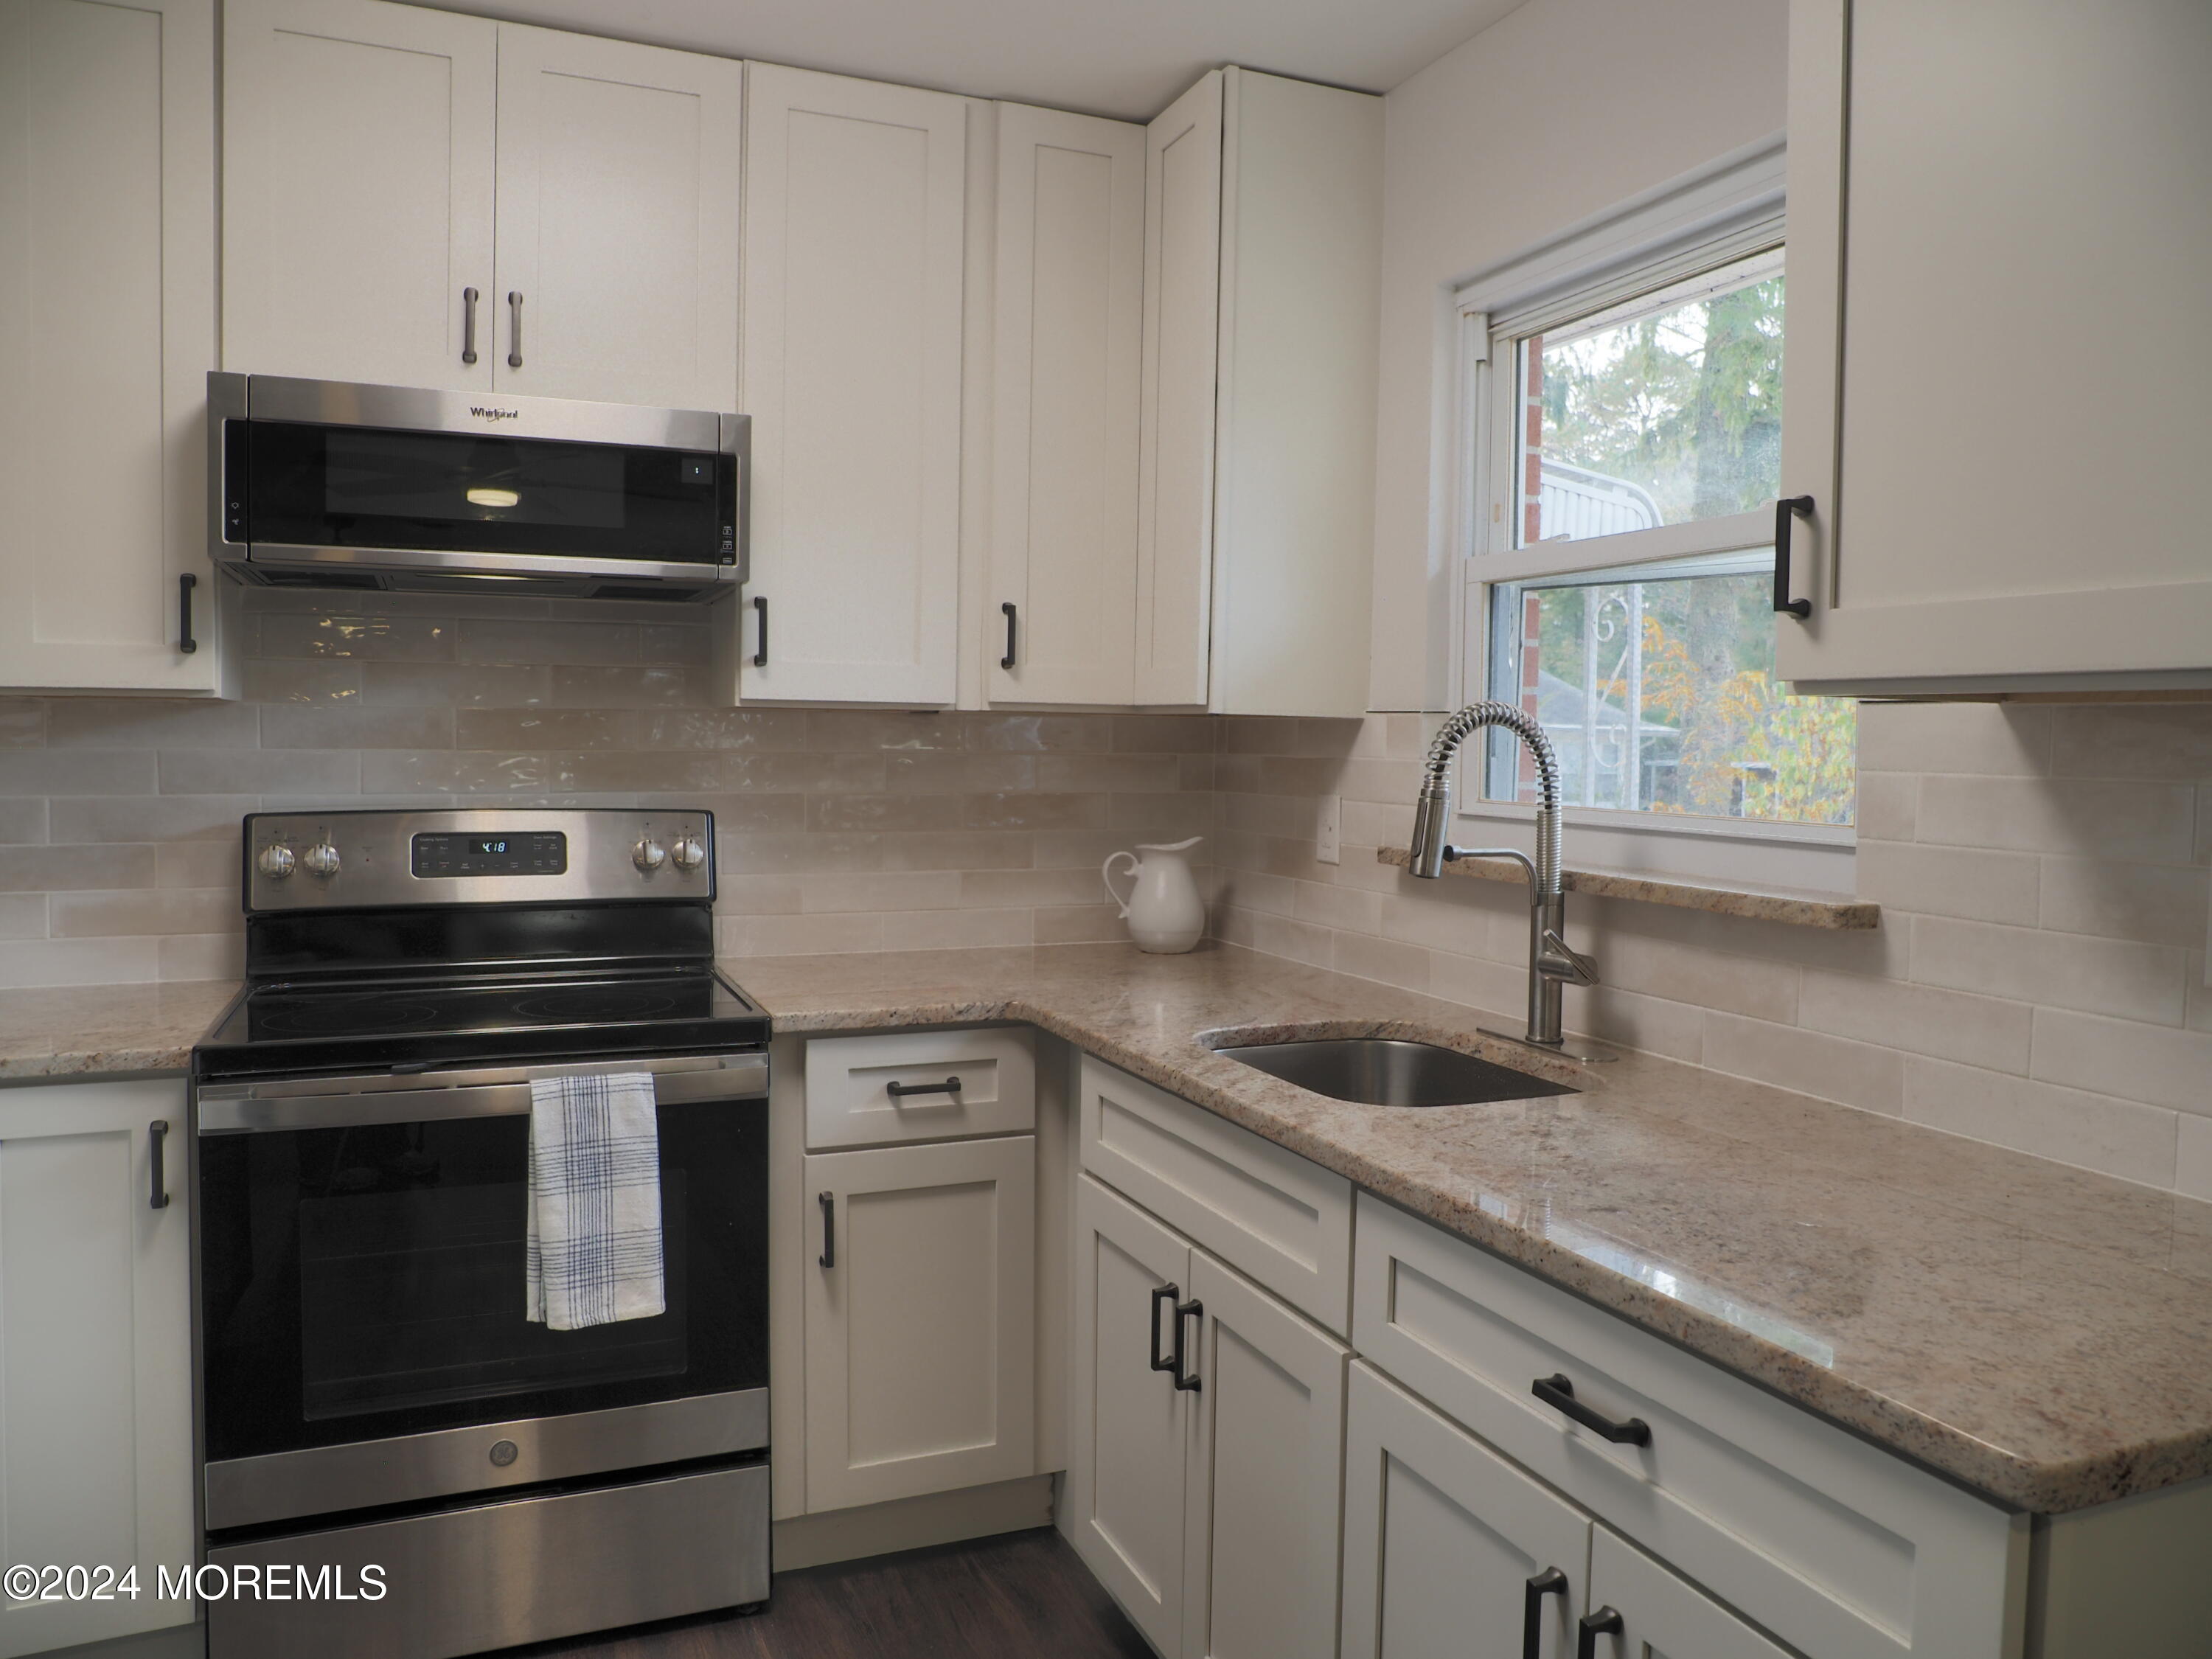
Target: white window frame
(1716, 216)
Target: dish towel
(594, 1202)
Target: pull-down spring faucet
(1551, 961)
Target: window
(1623, 451)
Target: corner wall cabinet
(856, 205)
(107, 331)
(417, 199)
(1059, 607)
(1256, 463)
(1939, 148)
(95, 1351)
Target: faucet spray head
(1432, 829)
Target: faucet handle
(1557, 959)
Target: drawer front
(1276, 1218)
(862, 1091)
(1837, 1548)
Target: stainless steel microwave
(318, 483)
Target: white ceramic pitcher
(1164, 912)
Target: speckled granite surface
(1798, 907)
(2041, 1333)
(74, 1031)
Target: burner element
(341, 1015)
(598, 1003)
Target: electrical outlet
(1327, 827)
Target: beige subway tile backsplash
(2036, 981)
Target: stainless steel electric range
(371, 1394)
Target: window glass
(1656, 688)
(1664, 410)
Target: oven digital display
(538, 853)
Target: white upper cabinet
(358, 143)
(1182, 294)
(1070, 302)
(1263, 229)
(417, 199)
(107, 331)
(855, 205)
(1995, 385)
(617, 265)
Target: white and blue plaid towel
(594, 1201)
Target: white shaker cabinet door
(617, 266)
(1443, 1540)
(96, 1352)
(921, 1320)
(1069, 325)
(358, 142)
(1999, 230)
(1182, 302)
(855, 205)
(108, 315)
(1660, 1616)
(1266, 1476)
(1130, 1425)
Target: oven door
(322, 480)
(360, 1246)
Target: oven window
(414, 1298)
(366, 1282)
(466, 492)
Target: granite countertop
(2037, 1332)
(74, 1031)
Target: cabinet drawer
(1273, 1216)
(1836, 1546)
(851, 1100)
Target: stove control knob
(648, 854)
(321, 859)
(687, 853)
(276, 861)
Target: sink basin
(1393, 1071)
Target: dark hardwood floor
(1011, 1597)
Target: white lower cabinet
(921, 1320)
(1449, 1550)
(1647, 1612)
(1203, 1483)
(1260, 1528)
(96, 1352)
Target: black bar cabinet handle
(1606, 1621)
(1013, 623)
(468, 326)
(1550, 1581)
(900, 1091)
(1787, 511)
(1161, 1293)
(186, 642)
(514, 329)
(828, 1203)
(760, 639)
(1192, 1309)
(1558, 1392)
(157, 1133)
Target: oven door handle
(432, 1096)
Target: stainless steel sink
(1392, 1072)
